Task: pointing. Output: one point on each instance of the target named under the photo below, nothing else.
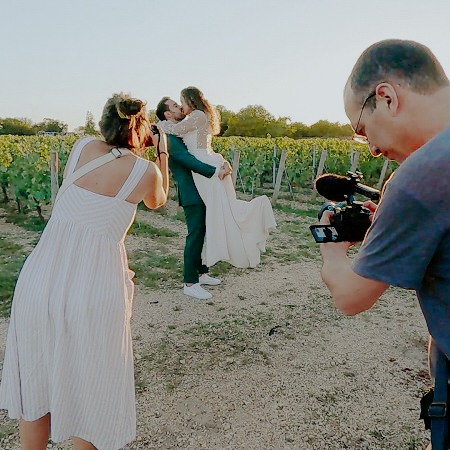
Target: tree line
(25, 127)
(251, 121)
(256, 121)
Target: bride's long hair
(196, 100)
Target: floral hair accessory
(120, 113)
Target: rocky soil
(268, 363)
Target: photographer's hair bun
(124, 122)
(129, 106)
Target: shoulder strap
(91, 165)
(439, 408)
(75, 154)
(138, 171)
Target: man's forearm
(352, 293)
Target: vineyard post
(54, 170)
(355, 161)
(280, 173)
(236, 157)
(274, 167)
(323, 158)
(314, 161)
(383, 174)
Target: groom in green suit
(182, 164)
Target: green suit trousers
(195, 222)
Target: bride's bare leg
(81, 444)
(34, 434)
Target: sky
(61, 59)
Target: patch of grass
(235, 332)
(179, 215)
(294, 228)
(26, 221)
(11, 261)
(236, 340)
(295, 244)
(414, 443)
(220, 268)
(155, 270)
(147, 229)
(296, 211)
(161, 211)
(7, 430)
(295, 253)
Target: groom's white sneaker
(210, 281)
(197, 291)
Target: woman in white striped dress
(68, 368)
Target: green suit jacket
(181, 165)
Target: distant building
(50, 133)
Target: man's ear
(167, 115)
(387, 95)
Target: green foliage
(25, 163)
(257, 157)
(256, 121)
(11, 260)
(326, 129)
(89, 128)
(51, 126)
(253, 120)
(225, 116)
(25, 168)
(23, 127)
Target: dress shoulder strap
(91, 165)
(75, 154)
(136, 174)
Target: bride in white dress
(236, 230)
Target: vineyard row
(25, 175)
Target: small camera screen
(324, 233)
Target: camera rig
(350, 220)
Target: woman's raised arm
(195, 120)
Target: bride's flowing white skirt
(236, 230)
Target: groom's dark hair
(162, 108)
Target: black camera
(350, 220)
(155, 131)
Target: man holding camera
(398, 101)
(182, 164)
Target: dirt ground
(268, 363)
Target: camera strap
(438, 410)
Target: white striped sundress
(69, 349)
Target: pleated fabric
(69, 349)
